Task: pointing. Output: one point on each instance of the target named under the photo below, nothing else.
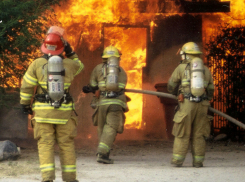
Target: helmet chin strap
(187, 58)
(183, 56)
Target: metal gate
(226, 60)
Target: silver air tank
(112, 73)
(197, 77)
(56, 75)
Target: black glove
(26, 109)
(87, 89)
(68, 50)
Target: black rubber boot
(103, 158)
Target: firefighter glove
(87, 89)
(68, 50)
(26, 109)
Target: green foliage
(23, 24)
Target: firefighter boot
(176, 163)
(104, 158)
(197, 165)
(48, 181)
(73, 181)
(197, 161)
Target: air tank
(112, 73)
(56, 75)
(197, 77)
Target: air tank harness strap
(67, 98)
(192, 98)
(111, 94)
(41, 98)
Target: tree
(22, 26)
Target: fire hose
(162, 94)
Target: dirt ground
(137, 161)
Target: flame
(211, 25)
(84, 18)
(211, 22)
(83, 21)
(132, 43)
(236, 17)
(152, 25)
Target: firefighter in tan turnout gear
(193, 83)
(48, 78)
(108, 81)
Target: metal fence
(226, 60)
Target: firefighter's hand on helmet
(26, 109)
(68, 50)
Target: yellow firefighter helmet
(190, 48)
(110, 51)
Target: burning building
(149, 34)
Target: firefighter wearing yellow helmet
(108, 81)
(192, 82)
(110, 51)
(54, 120)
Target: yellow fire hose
(162, 94)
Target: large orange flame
(85, 19)
(132, 43)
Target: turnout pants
(110, 122)
(46, 135)
(191, 125)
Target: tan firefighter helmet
(190, 48)
(110, 51)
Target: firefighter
(54, 119)
(108, 81)
(193, 83)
